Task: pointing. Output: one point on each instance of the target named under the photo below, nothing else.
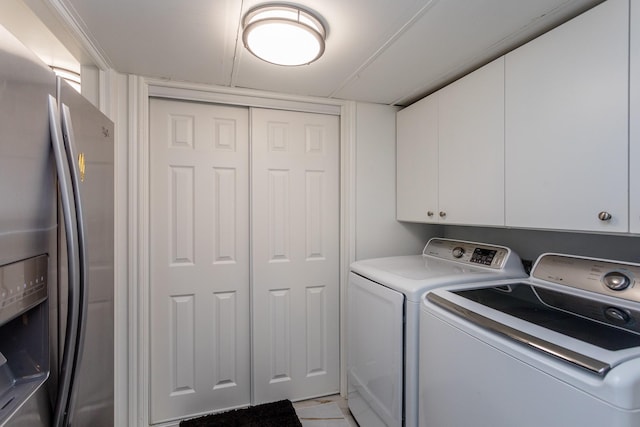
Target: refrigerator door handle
(72, 158)
(69, 217)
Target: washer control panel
(468, 252)
(614, 278)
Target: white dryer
(383, 315)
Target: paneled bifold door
(201, 252)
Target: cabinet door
(634, 120)
(471, 144)
(566, 125)
(417, 161)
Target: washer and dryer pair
(384, 299)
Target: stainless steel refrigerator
(56, 249)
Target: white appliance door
(375, 352)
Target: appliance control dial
(616, 281)
(617, 315)
(457, 252)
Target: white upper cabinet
(566, 157)
(417, 161)
(471, 148)
(634, 119)
(450, 152)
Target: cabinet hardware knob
(442, 214)
(430, 213)
(604, 216)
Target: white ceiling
(382, 51)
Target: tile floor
(328, 411)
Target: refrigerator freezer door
(28, 220)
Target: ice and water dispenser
(24, 347)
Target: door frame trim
(141, 89)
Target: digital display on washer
(525, 302)
(483, 256)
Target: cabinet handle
(442, 214)
(430, 214)
(604, 216)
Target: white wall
(377, 231)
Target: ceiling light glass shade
(283, 35)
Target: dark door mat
(276, 414)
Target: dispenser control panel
(23, 284)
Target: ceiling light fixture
(283, 34)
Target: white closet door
(199, 255)
(295, 254)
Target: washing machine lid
(612, 376)
(592, 321)
(443, 262)
(538, 318)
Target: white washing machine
(383, 315)
(561, 348)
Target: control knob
(616, 281)
(617, 315)
(457, 252)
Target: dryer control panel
(471, 253)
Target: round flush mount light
(283, 34)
